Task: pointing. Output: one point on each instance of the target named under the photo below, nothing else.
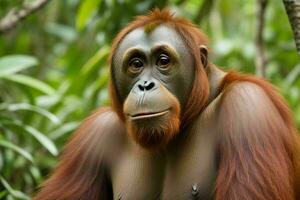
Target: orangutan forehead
(144, 39)
(151, 27)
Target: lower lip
(146, 116)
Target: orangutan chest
(191, 170)
(183, 173)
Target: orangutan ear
(203, 53)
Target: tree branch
(14, 16)
(292, 8)
(261, 60)
(204, 10)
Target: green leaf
(292, 76)
(26, 106)
(3, 194)
(64, 32)
(66, 128)
(35, 172)
(17, 149)
(15, 193)
(40, 137)
(45, 141)
(15, 63)
(101, 54)
(31, 82)
(86, 10)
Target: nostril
(141, 87)
(149, 86)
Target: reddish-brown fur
(274, 169)
(193, 38)
(79, 175)
(258, 156)
(153, 137)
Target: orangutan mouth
(145, 115)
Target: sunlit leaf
(47, 101)
(45, 141)
(101, 54)
(40, 137)
(17, 149)
(86, 10)
(26, 106)
(35, 172)
(61, 131)
(14, 63)
(96, 86)
(66, 33)
(31, 82)
(292, 76)
(69, 105)
(15, 193)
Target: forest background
(53, 70)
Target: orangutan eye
(163, 61)
(135, 65)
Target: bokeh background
(53, 69)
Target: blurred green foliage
(53, 70)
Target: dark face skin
(153, 74)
